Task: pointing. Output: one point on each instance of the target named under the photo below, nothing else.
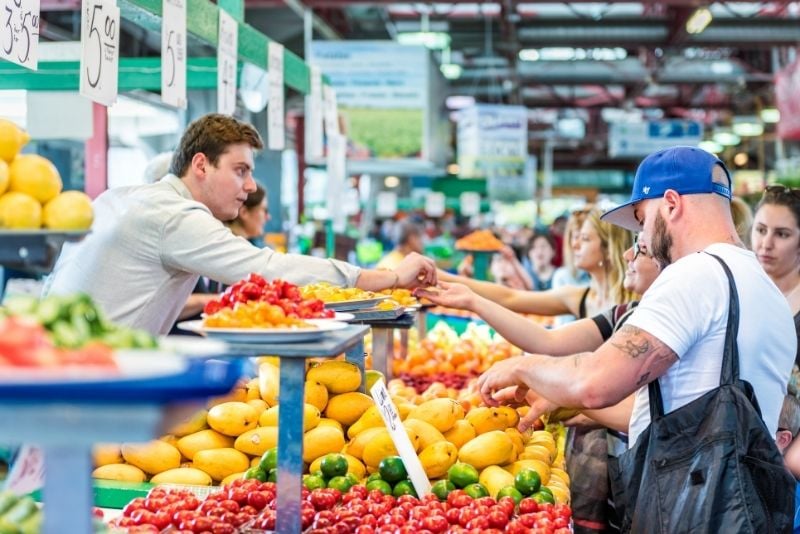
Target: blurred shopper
(538, 261)
(557, 231)
(408, 240)
(568, 274)
(253, 215)
(786, 439)
(149, 244)
(742, 219)
(681, 203)
(507, 270)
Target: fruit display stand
(482, 260)
(65, 418)
(290, 418)
(33, 249)
(383, 339)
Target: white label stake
(400, 438)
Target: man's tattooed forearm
(632, 348)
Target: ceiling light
(725, 137)
(453, 168)
(741, 159)
(747, 127)
(710, 146)
(391, 182)
(699, 20)
(529, 54)
(770, 115)
(459, 101)
(432, 40)
(451, 71)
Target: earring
(600, 263)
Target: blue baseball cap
(684, 169)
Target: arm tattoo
(637, 343)
(633, 347)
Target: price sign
(314, 141)
(99, 51)
(19, 38)
(400, 438)
(227, 52)
(434, 204)
(173, 53)
(337, 173)
(27, 471)
(470, 203)
(275, 130)
(386, 204)
(331, 112)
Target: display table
(66, 419)
(383, 340)
(290, 417)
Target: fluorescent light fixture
(459, 101)
(453, 168)
(726, 137)
(747, 127)
(432, 40)
(699, 20)
(529, 54)
(770, 115)
(451, 71)
(710, 146)
(391, 182)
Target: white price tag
(314, 140)
(227, 52)
(470, 203)
(386, 204)
(173, 53)
(337, 173)
(400, 438)
(99, 51)
(434, 205)
(331, 112)
(275, 114)
(19, 38)
(27, 471)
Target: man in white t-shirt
(681, 205)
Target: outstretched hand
(416, 270)
(449, 294)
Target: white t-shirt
(687, 308)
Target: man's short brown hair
(211, 135)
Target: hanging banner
(331, 111)
(315, 148)
(19, 41)
(787, 99)
(638, 139)
(276, 136)
(227, 53)
(173, 53)
(99, 51)
(492, 137)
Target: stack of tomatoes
(277, 292)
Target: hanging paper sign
(173, 53)
(27, 471)
(386, 204)
(434, 204)
(470, 203)
(20, 34)
(227, 52)
(331, 112)
(99, 51)
(337, 173)
(314, 139)
(275, 114)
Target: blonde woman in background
(568, 274)
(742, 219)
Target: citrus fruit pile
(330, 293)
(479, 240)
(286, 304)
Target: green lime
(256, 473)
(352, 478)
(545, 489)
(441, 488)
(510, 491)
(543, 497)
(404, 487)
(340, 483)
(381, 485)
(476, 491)
(527, 481)
(313, 482)
(269, 460)
(272, 476)
(374, 476)
(392, 469)
(462, 475)
(334, 465)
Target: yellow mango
(357, 444)
(237, 394)
(169, 438)
(220, 463)
(269, 381)
(560, 474)
(403, 409)
(537, 452)
(369, 419)
(516, 437)
(196, 423)
(494, 478)
(561, 495)
(254, 461)
(462, 432)
(320, 441)
(485, 419)
(152, 457)
(491, 448)
(347, 408)
(316, 394)
(428, 434)
(235, 476)
(259, 404)
(106, 453)
(232, 418)
(441, 413)
(324, 421)
(438, 457)
(201, 441)
(311, 417)
(121, 472)
(336, 375)
(188, 476)
(257, 441)
(253, 391)
(545, 439)
(381, 446)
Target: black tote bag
(709, 466)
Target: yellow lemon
(70, 210)
(21, 211)
(36, 176)
(12, 139)
(3, 176)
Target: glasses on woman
(780, 189)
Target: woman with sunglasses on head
(776, 243)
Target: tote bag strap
(730, 356)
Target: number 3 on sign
(99, 50)
(19, 36)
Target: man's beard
(661, 244)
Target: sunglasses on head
(780, 189)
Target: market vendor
(150, 243)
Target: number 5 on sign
(19, 36)
(99, 51)
(173, 53)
